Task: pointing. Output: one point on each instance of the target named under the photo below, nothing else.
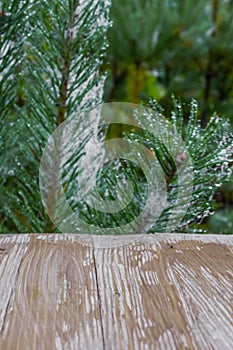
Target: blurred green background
(159, 48)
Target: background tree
(159, 48)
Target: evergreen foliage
(172, 47)
(51, 52)
(51, 57)
(175, 47)
(211, 152)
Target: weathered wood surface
(162, 292)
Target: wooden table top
(163, 291)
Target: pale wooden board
(52, 301)
(159, 292)
(168, 292)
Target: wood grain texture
(161, 292)
(53, 301)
